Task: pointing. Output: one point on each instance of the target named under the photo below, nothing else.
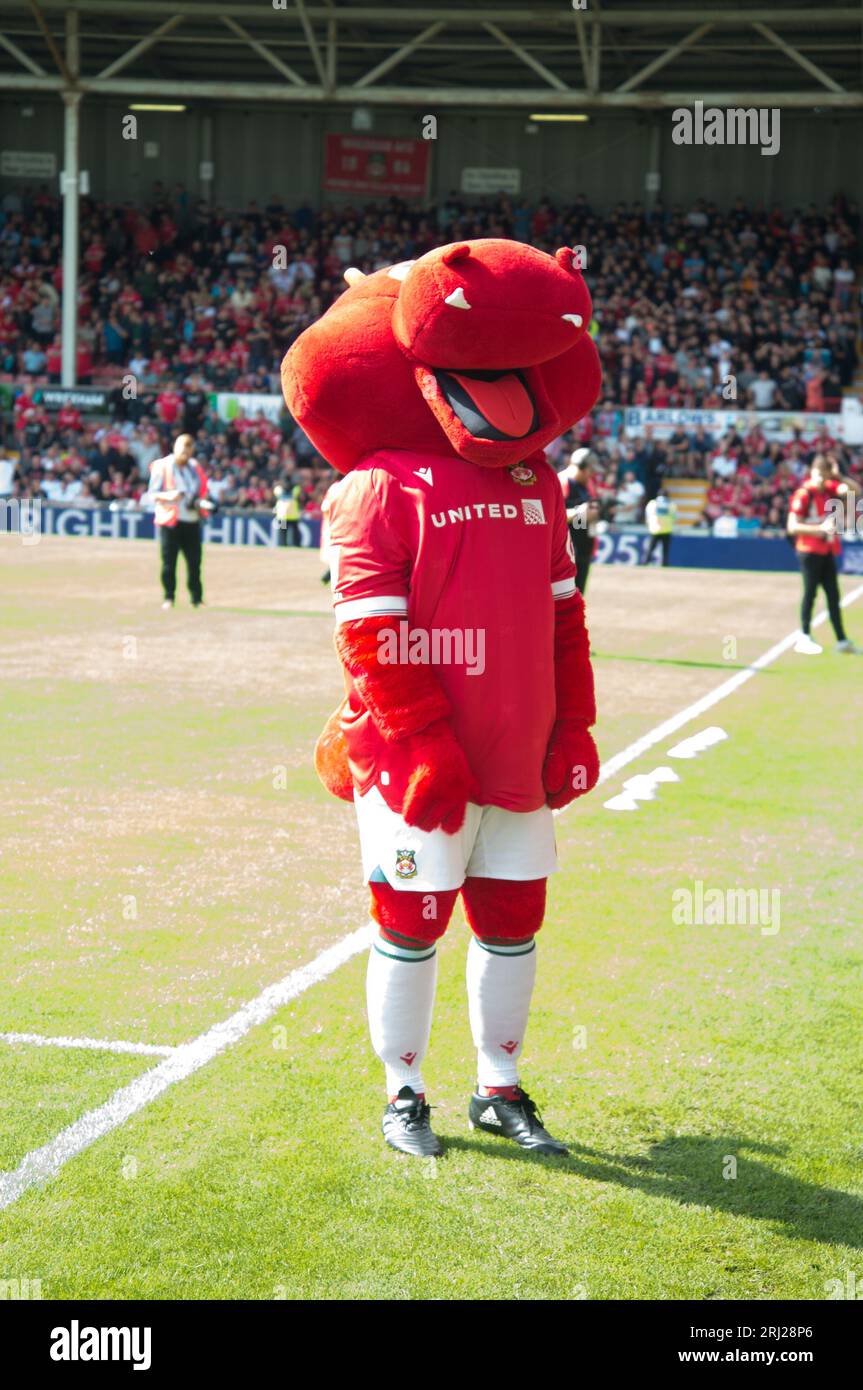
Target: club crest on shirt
(405, 863)
(520, 473)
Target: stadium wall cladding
(626, 546)
(606, 158)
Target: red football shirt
(810, 504)
(168, 405)
(469, 561)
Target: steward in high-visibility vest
(178, 491)
(287, 510)
(660, 515)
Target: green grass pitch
(167, 853)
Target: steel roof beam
(312, 41)
(637, 78)
(797, 57)
(419, 97)
(394, 58)
(813, 16)
(131, 54)
(264, 52)
(49, 40)
(22, 57)
(539, 68)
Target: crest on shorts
(405, 863)
(520, 473)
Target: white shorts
(492, 843)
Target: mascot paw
(441, 783)
(571, 765)
(331, 759)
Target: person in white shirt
(723, 465)
(763, 391)
(71, 488)
(178, 491)
(242, 296)
(629, 498)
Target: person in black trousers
(582, 512)
(183, 539)
(815, 524)
(178, 488)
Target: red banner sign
(367, 164)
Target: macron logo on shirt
(533, 513)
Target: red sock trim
(420, 1095)
(508, 1092)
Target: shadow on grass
(689, 1170)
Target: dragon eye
(457, 299)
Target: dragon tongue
(504, 402)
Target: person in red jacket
(84, 363)
(169, 403)
(69, 418)
(54, 359)
(814, 523)
(435, 385)
(24, 402)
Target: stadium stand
(698, 308)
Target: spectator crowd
(742, 308)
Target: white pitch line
(44, 1163)
(91, 1044)
(713, 697)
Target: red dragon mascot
(434, 385)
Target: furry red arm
(401, 699)
(573, 673)
(409, 707)
(572, 763)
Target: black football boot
(513, 1119)
(407, 1128)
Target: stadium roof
(482, 54)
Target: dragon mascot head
(478, 348)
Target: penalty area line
(41, 1164)
(44, 1163)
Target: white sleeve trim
(370, 607)
(563, 588)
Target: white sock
(499, 986)
(400, 990)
